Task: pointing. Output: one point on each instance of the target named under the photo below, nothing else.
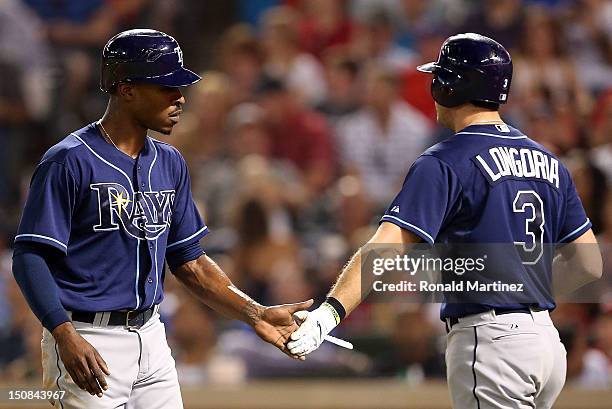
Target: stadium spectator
(375, 43)
(501, 20)
(591, 186)
(76, 29)
(218, 181)
(325, 25)
(378, 143)
(301, 72)
(199, 359)
(602, 351)
(416, 85)
(589, 36)
(20, 360)
(266, 247)
(241, 59)
(298, 135)
(342, 74)
(601, 134)
(544, 77)
(201, 134)
(603, 340)
(416, 354)
(25, 99)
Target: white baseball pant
(143, 373)
(505, 361)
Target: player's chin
(166, 127)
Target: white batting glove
(315, 325)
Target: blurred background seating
(307, 119)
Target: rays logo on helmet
(179, 52)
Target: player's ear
(125, 91)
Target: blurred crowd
(308, 116)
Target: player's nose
(179, 98)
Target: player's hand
(276, 324)
(314, 326)
(82, 361)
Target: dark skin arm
(209, 284)
(82, 361)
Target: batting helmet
(143, 55)
(470, 68)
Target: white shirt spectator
(304, 76)
(596, 372)
(382, 157)
(22, 45)
(397, 59)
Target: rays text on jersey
(143, 215)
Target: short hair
(268, 85)
(384, 74)
(340, 59)
(239, 39)
(285, 20)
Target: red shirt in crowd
(304, 139)
(415, 90)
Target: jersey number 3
(530, 204)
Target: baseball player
(500, 353)
(107, 206)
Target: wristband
(336, 308)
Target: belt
(498, 311)
(130, 319)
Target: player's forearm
(565, 278)
(578, 263)
(209, 284)
(347, 288)
(352, 285)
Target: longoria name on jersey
(504, 161)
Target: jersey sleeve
(575, 222)
(187, 225)
(48, 210)
(428, 198)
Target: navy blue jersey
(492, 184)
(112, 216)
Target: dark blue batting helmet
(470, 68)
(143, 55)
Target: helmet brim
(428, 68)
(179, 78)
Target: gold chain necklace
(109, 139)
(107, 136)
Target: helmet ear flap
(444, 91)
(107, 77)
